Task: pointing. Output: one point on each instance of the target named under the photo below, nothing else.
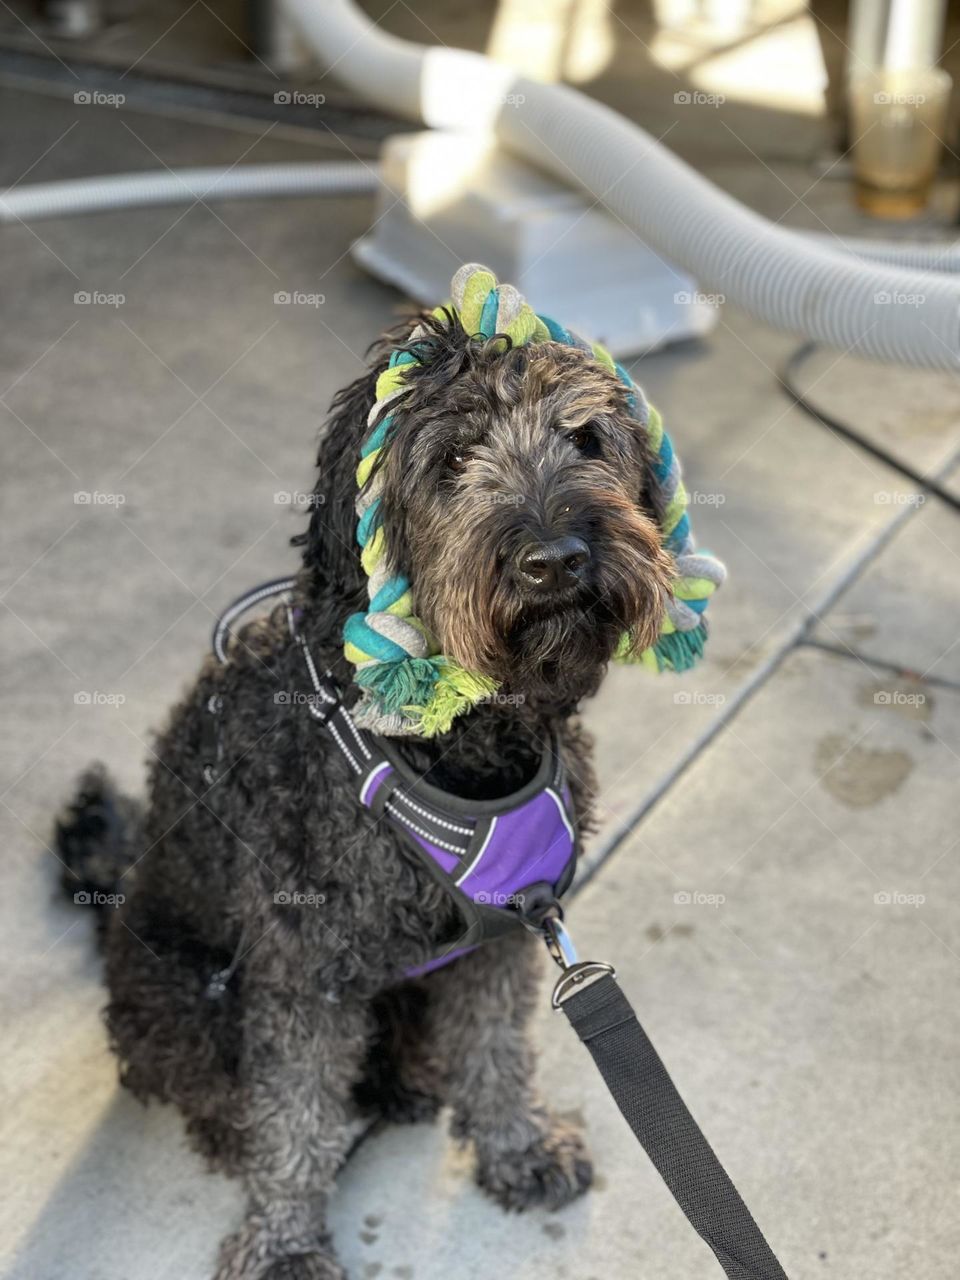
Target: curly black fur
(311, 1019)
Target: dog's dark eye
(583, 440)
(456, 460)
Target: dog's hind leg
(301, 1056)
(478, 1014)
(174, 1043)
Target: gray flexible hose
(783, 278)
(135, 190)
(916, 255)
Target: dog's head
(516, 497)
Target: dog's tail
(98, 838)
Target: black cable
(786, 377)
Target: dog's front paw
(551, 1172)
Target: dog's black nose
(553, 565)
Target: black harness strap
(604, 1020)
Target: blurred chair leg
(832, 23)
(72, 19)
(274, 38)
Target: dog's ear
(335, 581)
(650, 497)
(331, 557)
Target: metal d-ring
(576, 973)
(579, 976)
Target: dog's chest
(388, 858)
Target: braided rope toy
(408, 686)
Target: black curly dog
(497, 450)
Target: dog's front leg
(301, 1055)
(479, 1009)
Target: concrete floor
(799, 774)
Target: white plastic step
(448, 198)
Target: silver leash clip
(576, 974)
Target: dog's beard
(555, 649)
(559, 655)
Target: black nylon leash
(639, 1083)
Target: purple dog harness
(504, 861)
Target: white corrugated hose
(812, 286)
